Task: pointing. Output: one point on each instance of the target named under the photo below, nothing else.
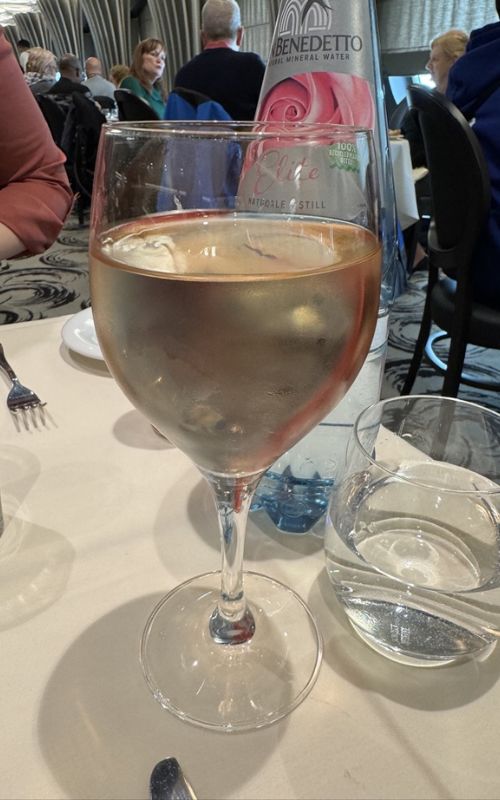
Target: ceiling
(10, 7)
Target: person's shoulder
(251, 56)
(241, 56)
(249, 61)
(129, 82)
(488, 33)
(192, 63)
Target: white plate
(79, 334)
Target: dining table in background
(404, 182)
(102, 516)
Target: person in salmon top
(35, 196)
(221, 72)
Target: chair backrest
(460, 184)
(390, 103)
(132, 108)
(55, 116)
(105, 101)
(186, 104)
(87, 114)
(82, 132)
(398, 114)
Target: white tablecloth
(102, 517)
(404, 183)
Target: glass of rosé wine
(235, 275)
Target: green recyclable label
(344, 155)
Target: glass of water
(412, 539)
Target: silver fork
(20, 398)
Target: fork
(20, 398)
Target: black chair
(104, 101)
(55, 115)
(88, 123)
(79, 142)
(132, 108)
(398, 115)
(460, 190)
(389, 101)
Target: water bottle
(324, 66)
(295, 491)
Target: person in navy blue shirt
(474, 87)
(221, 72)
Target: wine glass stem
(232, 621)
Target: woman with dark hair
(146, 72)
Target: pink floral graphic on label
(320, 97)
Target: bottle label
(320, 66)
(319, 180)
(324, 68)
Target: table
(103, 517)
(404, 183)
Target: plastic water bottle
(324, 66)
(295, 491)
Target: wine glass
(235, 275)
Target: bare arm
(10, 244)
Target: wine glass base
(231, 687)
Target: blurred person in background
(35, 196)
(23, 46)
(41, 70)
(146, 74)
(221, 72)
(474, 87)
(94, 81)
(445, 50)
(117, 73)
(71, 71)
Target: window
(411, 26)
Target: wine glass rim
(394, 401)
(236, 129)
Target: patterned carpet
(405, 318)
(56, 283)
(49, 285)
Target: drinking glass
(235, 276)
(412, 540)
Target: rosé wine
(235, 333)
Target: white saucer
(79, 334)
